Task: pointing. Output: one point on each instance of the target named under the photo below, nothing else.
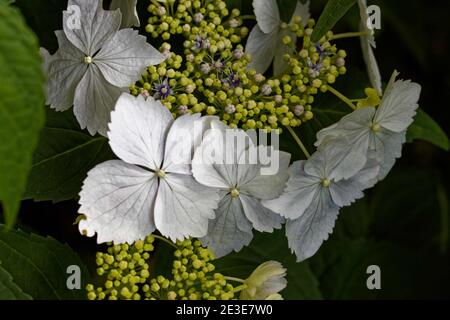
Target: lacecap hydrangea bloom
(152, 186)
(95, 63)
(228, 160)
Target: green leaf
(21, 107)
(38, 265)
(8, 289)
(425, 128)
(302, 283)
(333, 12)
(63, 158)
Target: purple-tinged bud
(205, 68)
(230, 109)
(161, 11)
(299, 110)
(266, 89)
(278, 98)
(259, 77)
(182, 109)
(238, 53)
(198, 17)
(190, 58)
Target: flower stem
(233, 279)
(342, 97)
(299, 142)
(349, 35)
(164, 240)
(240, 288)
(247, 17)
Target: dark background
(402, 225)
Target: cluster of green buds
(125, 273)
(211, 74)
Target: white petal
(302, 10)
(263, 219)
(184, 207)
(387, 147)
(230, 230)
(138, 130)
(299, 193)
(398, 106)
(128, 9)
(125, 56)
(267, 187)
(215, 161)
(307, 233)
(95, 98)
(345, 192)
(184, 136)
(95, 27)
(261, 47)
(346, 145)
(117, 199)
(279, 65)
(267, 15)
(64, 71)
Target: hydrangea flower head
(94, 64)
(151, 187)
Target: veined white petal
(267, 15)
(128, 9)
(125, 56)
(184, 136)
(297, 196)
(94, 100)
(64, 71)
(347, 144)
(267, 187)
(138, 130)
(88, 26)
(263, 219)
(386, 147)
(184, 207)
(117, 199)
(230, 230)
(215, 161)
(398, 106)
(307, 233)
(261, 47)
(345, 192)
